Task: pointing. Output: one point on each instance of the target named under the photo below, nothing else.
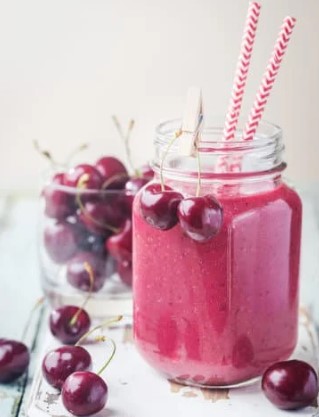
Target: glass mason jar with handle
(219, 313)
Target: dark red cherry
(14, 360)
(64, 329)
(146, 172)
(101, 217)
(159, 208)
(59, 363)
(290, 384)
(74, 221)
(113, 172)
(85, 239)
(58, 203)
(60, 242)
(125, 271)
(78, 276)
(94, 178)
(84, 393)
(120, 245)
(93, 243)
(200, 217)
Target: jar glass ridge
(262, 156)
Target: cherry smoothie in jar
(219, 313)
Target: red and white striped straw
(269, 78)
(242, 70)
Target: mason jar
(219, 312)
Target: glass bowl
(80, 227)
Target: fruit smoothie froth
(220, 312)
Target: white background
(67, 65)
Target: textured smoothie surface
(220, 312)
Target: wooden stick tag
(193, 115)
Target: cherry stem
(103, 338)
(100, 326)
(90, 272)
(126, 139)
(72, 154)
(50, 158)
(38, 303)
(44, 153)
(170, 144)
(81, 186)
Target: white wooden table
(20, 287)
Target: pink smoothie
(219, 313)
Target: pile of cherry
(66, 368)
(91, 208)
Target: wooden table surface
(20, 283)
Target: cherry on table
(200, 217)
(14, 360)
(290, 384)
(113, 172)
(59, 363)
(64, 328)
(159, 208)
(59, 204)
(120, 245)
(94, 179)
(84, 393)
(78, 276)
(60, 242)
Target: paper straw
(242, 70)
(269, 78)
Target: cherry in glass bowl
(81, 225)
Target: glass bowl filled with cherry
(86, 218)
